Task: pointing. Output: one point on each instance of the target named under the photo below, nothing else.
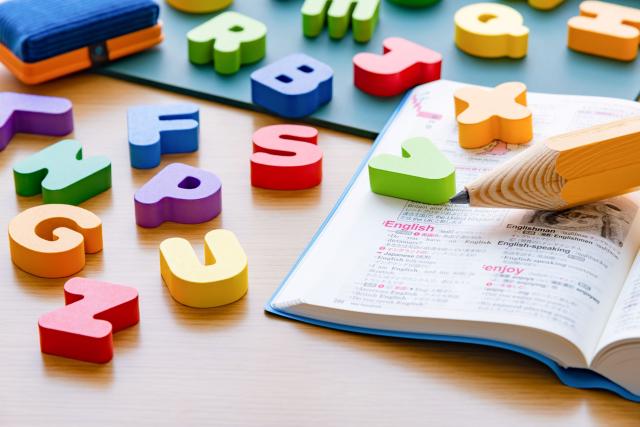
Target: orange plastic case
(80, 59)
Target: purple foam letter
(42, 115)
(179, 193)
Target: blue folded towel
(39, 29)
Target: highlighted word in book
(338, 14)
(606, 29)
(295, 86)
(51, 240)
(229, 40)
(422, 174)
(62, 175)
(40, 115)
(404, 65)
(491, 30)
(484, 115)
(222, 279)
(155, 130)
(83, 329)
(286, 157)
(179, 193)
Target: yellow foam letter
(491, 30)
(544, 4)
(199, 6)
(222, 279)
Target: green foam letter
(362, 13)
(61, 174)
(422, 174)
(230, 40)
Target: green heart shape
(422, 174)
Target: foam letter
(42, 115)
(51, 240)
(83, 328)
(199, 6)
(155, 130)
(404, 64)
(491, 30)
(295, 86)
(501, 113)
(415, 3)
(230, 40)
(544, 4)
(222, 280)
(606, 29)
(422, 174)
(362, 13)
(179, 193)
(61, 174)
(286, 157)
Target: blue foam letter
(155, 130)
(295, 86)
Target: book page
(624, 322)
(559, 272)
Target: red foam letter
(82, 329)
(404, 64)
(286, 157)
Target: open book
(561, 287)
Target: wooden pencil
(564, 171)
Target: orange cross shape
(485, 115)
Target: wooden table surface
(235, 365)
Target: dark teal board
(549, 67)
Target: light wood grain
(528, 181)
(235, 365)
(566, 170)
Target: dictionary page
(624, 322)
(618, 354)
(557, 272)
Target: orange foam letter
(487, 114)
(51, 240)
(606, 29)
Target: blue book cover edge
(572, 377)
